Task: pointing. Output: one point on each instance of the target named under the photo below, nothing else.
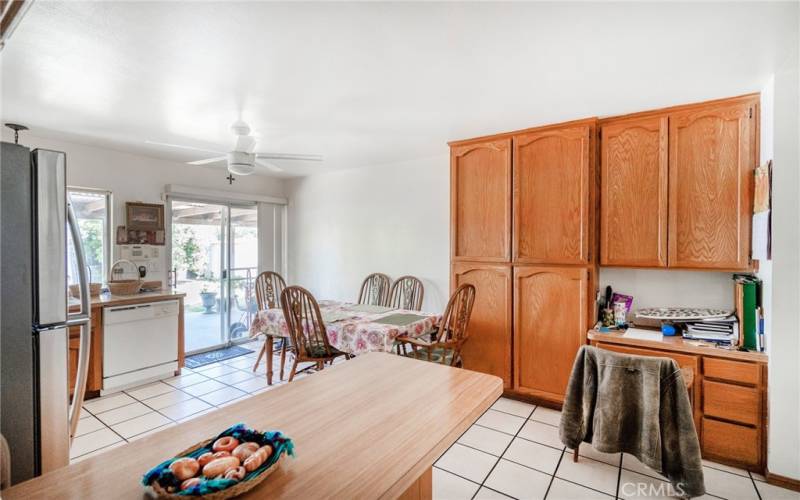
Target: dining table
(357, 433)
(352, 328)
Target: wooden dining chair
(452, 333)
(406, 293)
(375, 290)
(269, 286)
(309, 336)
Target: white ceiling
(369, 83)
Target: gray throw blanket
(637, 405)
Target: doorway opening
(214, 256)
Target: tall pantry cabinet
(523, 231)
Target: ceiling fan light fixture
(241, 163)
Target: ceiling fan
(242, 160)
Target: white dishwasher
(140, 343)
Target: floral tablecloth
(351, 328)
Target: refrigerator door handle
(83, 319)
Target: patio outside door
(215, 262)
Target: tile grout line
(154, 410)
(758, 493)
(506, 448)
(553, 476)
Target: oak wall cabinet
(550, 324)
(491, 320)
(633, 192)
(480, 201)
(552, 181)
(677, 186)
(533, 212)
(523, 232)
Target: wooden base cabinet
(488, 348)
(94, 380)
(728, 396)
(550, 324)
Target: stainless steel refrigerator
(40, 244)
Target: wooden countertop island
(371, 427)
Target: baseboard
(783, 481)
(536, 399)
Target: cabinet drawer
(734, 371)
(731, 402)
(683, 360)
(731, 442)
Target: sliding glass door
(214, 262)
(243, 270)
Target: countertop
(365, 428)
(106, 299)
(678, 343)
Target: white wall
(784, 365)
(132, 177)
(392, 219)
(660, 288)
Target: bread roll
(184, 468)
(218, 466)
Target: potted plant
(209, 299)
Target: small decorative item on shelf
(225, 466)
(144, 216)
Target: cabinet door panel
(488, 347)
(551, 196)
(480, 201)
(633, 201)
(550, 311)
(712, 156)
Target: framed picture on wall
(144, 216)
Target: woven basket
(124, 287)
(94, 290)
(156, 491)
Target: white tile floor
(113, 420)
(512, 451)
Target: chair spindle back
(304, 321)
(375, 290)
(406, 293)
(269, 286)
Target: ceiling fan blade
(286, 156)
(190, 148)
(207, 160)
(245, 143)
(269, 165)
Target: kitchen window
(93, 211)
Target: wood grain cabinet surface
(711, 162)
(94, 380)
(676, 186)
(488, 348)
(480, 201)
(633, 198)
(728, 395)
(552, 179)
(549, 327)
